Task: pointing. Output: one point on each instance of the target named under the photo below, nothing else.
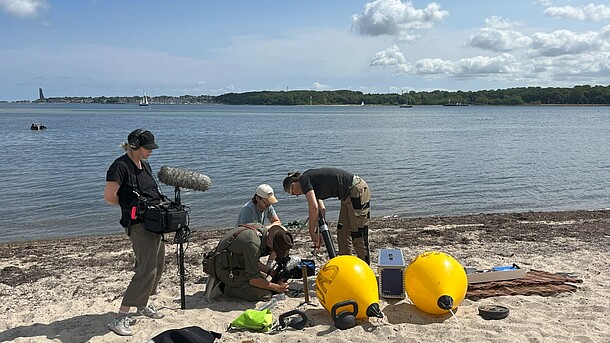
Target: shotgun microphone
(183, 178)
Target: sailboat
(406, 104)
(144, 101)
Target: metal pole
(182, 276)
(305, 285)
(181, 237)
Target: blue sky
(123, 48)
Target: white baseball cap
(266, 192)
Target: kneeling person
(239, 269)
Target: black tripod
(182, 236)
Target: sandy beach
(67, 290)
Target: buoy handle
(333, 310)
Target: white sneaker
(150, 311)
(121, 326)
(212, 289)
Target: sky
(195, 47)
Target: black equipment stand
(326, 235)
(181, 237)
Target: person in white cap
(259, 208)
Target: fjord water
(421, 161)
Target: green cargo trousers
(239, 286)
(149, 251)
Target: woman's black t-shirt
(125, 173)
(327, 182)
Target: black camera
(291, 267)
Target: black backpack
(191, 334)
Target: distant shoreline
(577, 95)
(299, 105)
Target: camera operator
(128, 174)
(239, 272)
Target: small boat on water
(38, 126)
(455, 104)
(144, 101)
(406, 104)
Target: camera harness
(139, 201)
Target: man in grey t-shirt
(260, 208)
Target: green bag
(256, 320)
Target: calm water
(421, 161)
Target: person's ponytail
(293, 176)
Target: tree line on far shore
(578, 95)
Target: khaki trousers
(353, 225)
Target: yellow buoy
(435, 282)
(348, 279)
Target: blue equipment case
(391, 269)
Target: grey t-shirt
(251, 214)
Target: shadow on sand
(71, 330)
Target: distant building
(40, 95)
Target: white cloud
(320, 87)
(481, 65)
(497, 40)
(586, 66)
(390, 56)
(550, 56)
(605, 33)
(433, 66)
(395, 18)
(544, 2)
(498, 35)
(23, 8)
(590, 12)
(499, 23)
(592, 67)
(564, 42)
(393, 57)
(468, 67)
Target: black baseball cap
(145, 137)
